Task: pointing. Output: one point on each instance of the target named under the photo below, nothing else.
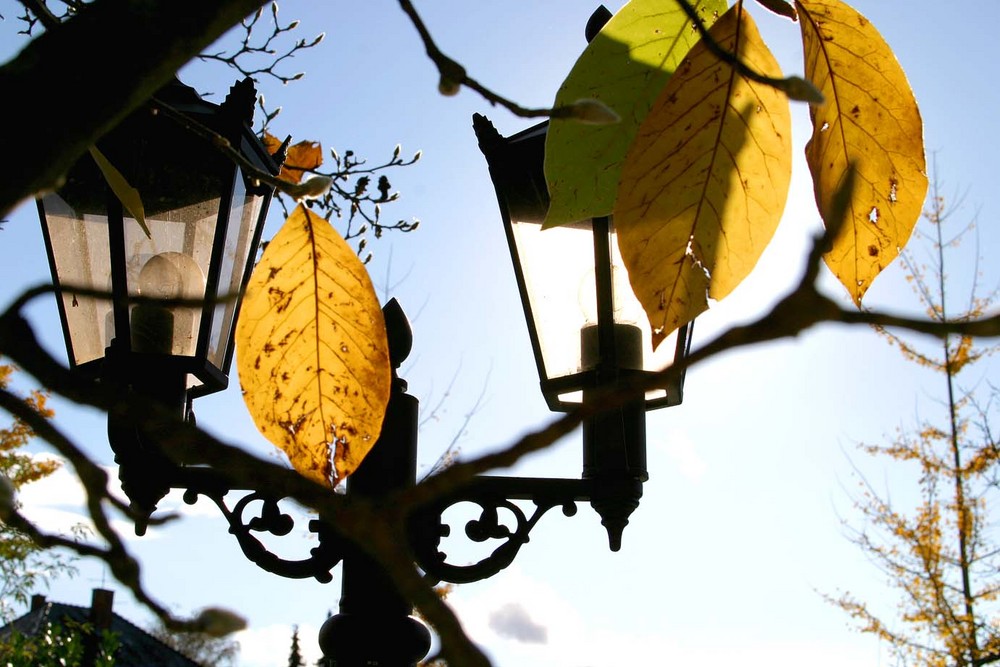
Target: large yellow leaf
(705, 183)
(625, 67)
(312, 351)
(870, 120)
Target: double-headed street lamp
(204, 219)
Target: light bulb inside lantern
(168, 329)
(628, 336)
(171, 275)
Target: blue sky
(739, 529)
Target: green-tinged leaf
(704, 185)
(871, 120)
(127, 195)
(625, 67)
(311, 350)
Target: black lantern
(204, 220)
(574, 286)
(588, 331)
(166, 332)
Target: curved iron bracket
(491, 494)
(257, 513)
(246, 522)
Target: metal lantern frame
(176, 165)
(516, 168)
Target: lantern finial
(240, 101)
(486, 133)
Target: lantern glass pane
(171, 263)
(241, 230)
(79, 247)
(630, 313)
(558, 268)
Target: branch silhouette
(41, 73)
(800, 310)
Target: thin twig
(453, 75)
(266, 48)
(44, 14)
(795, 87)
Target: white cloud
(512, 621)
(682, 452)
(573, 640)
(481, 606)
(56, 504)
(60, 489)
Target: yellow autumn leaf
(311, 350)
(624, 68)
(299, 158)
(871, 120)
(129, 197)
(705, 182)
(271, 143)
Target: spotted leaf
(870, 121)
(705, 182)
(311, 350)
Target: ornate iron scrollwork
(257, 513)
(245, 524)
(492, 495)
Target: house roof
(137, 648)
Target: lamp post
(204, 231)
(587, 329)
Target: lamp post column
(374, 627)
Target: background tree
(24, 566)
(941, 554)
(294, 654)
(200, 647)
(59, 646)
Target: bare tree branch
(260, 56)
(158, 36)
(453, 74)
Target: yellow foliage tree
(23, 565)
(938, 555)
